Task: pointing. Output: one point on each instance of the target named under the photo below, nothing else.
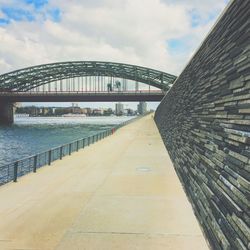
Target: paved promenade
(121, 193)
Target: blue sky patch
(179, 45)
(17, 14)
(37, 10)
(55, 14)
(197, 19)
(4, 22)
(37, 3)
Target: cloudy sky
(161, 34)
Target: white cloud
(129, 31)
(203, 7)
(1, 14)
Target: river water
(32, 135)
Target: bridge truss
(85, 76)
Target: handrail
(35, 93)
(14, 170)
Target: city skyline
(119, 110)
(76, 104)
(132, 105)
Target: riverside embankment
(120, 193)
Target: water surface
(32, 135)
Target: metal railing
(12, 171)
(81, 93)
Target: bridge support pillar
(6, 113)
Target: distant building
(97, 112)
(33, 111)
(119, 109)
(74, 109)
(53, 110)
(84, 111)
(108, 112)
(46, 111)
(142, 108)
(18, 104)
(130, 112)
(89, 111)
(125, 112)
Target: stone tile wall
(204, 121)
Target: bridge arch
(32, 77)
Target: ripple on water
(31, 135)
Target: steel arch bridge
(29, 78)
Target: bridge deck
(132, 96)
(120, 193)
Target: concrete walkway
(120, 193)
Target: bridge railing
(128, 92)
(12, 171)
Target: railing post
(49, 157)
(77, 146)
(35, 164)
(70, 149)
(83, 143)
(15, 171)
(61, 152)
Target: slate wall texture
(204, 121)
